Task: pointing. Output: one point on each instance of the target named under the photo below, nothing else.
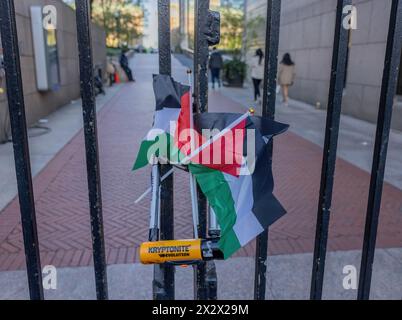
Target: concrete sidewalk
(288, 278)
(63, 125)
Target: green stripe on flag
(212, 183)
(142, 158)
(215, 187)
(229, 244)
(163, 146)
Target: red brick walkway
(62, 203)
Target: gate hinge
(213, 32)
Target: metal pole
(91, 145)
(389, 83)
(201, 55)
(16, 105)
(193, 181)
(330, 149)
(165, 57)
(214, 229)
(268, 110)
(205, 272)
(154, 226)
(163, 284)
(194, 205)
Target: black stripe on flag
(266, 208)
(268, 128)
(168, 93)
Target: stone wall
(40, 104)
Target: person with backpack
(216, 65)
(125, 65)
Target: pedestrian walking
(286, 76)
(257, 73)
(125, 66)
(216, 65)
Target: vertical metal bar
(205, 272)
(245, 28)
(16, 105)
(201, 55)
(214, 229)
(165, 59)
(154, 226)
(193, 181)
(271, 57)
(389, 84)
(330, 149)
(201, 285)
(91, 145)
(163, 284)
(268, 110)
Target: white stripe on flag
(247, 226)
(164, 117)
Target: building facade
(187, 12)
(40, 102)
(307, 33)
(150, 37)
(232, 3)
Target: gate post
(91, 145)
(201, 53)
(338, 69)
(389, 83)
(163, 282)
(16, 105)
(207, 33)
(268, 110)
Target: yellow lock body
(170, 251)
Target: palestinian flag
(172, 103)
(172, 139)
(243, 202)
(232, 168)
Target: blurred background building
(150, 36)
(307, 33)
(55, 82)
(231, 11)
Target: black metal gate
(206, 34)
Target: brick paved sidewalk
(62, 202)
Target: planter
(235, 82)
(234, 73)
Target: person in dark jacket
(125, 66)
(216, 64)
